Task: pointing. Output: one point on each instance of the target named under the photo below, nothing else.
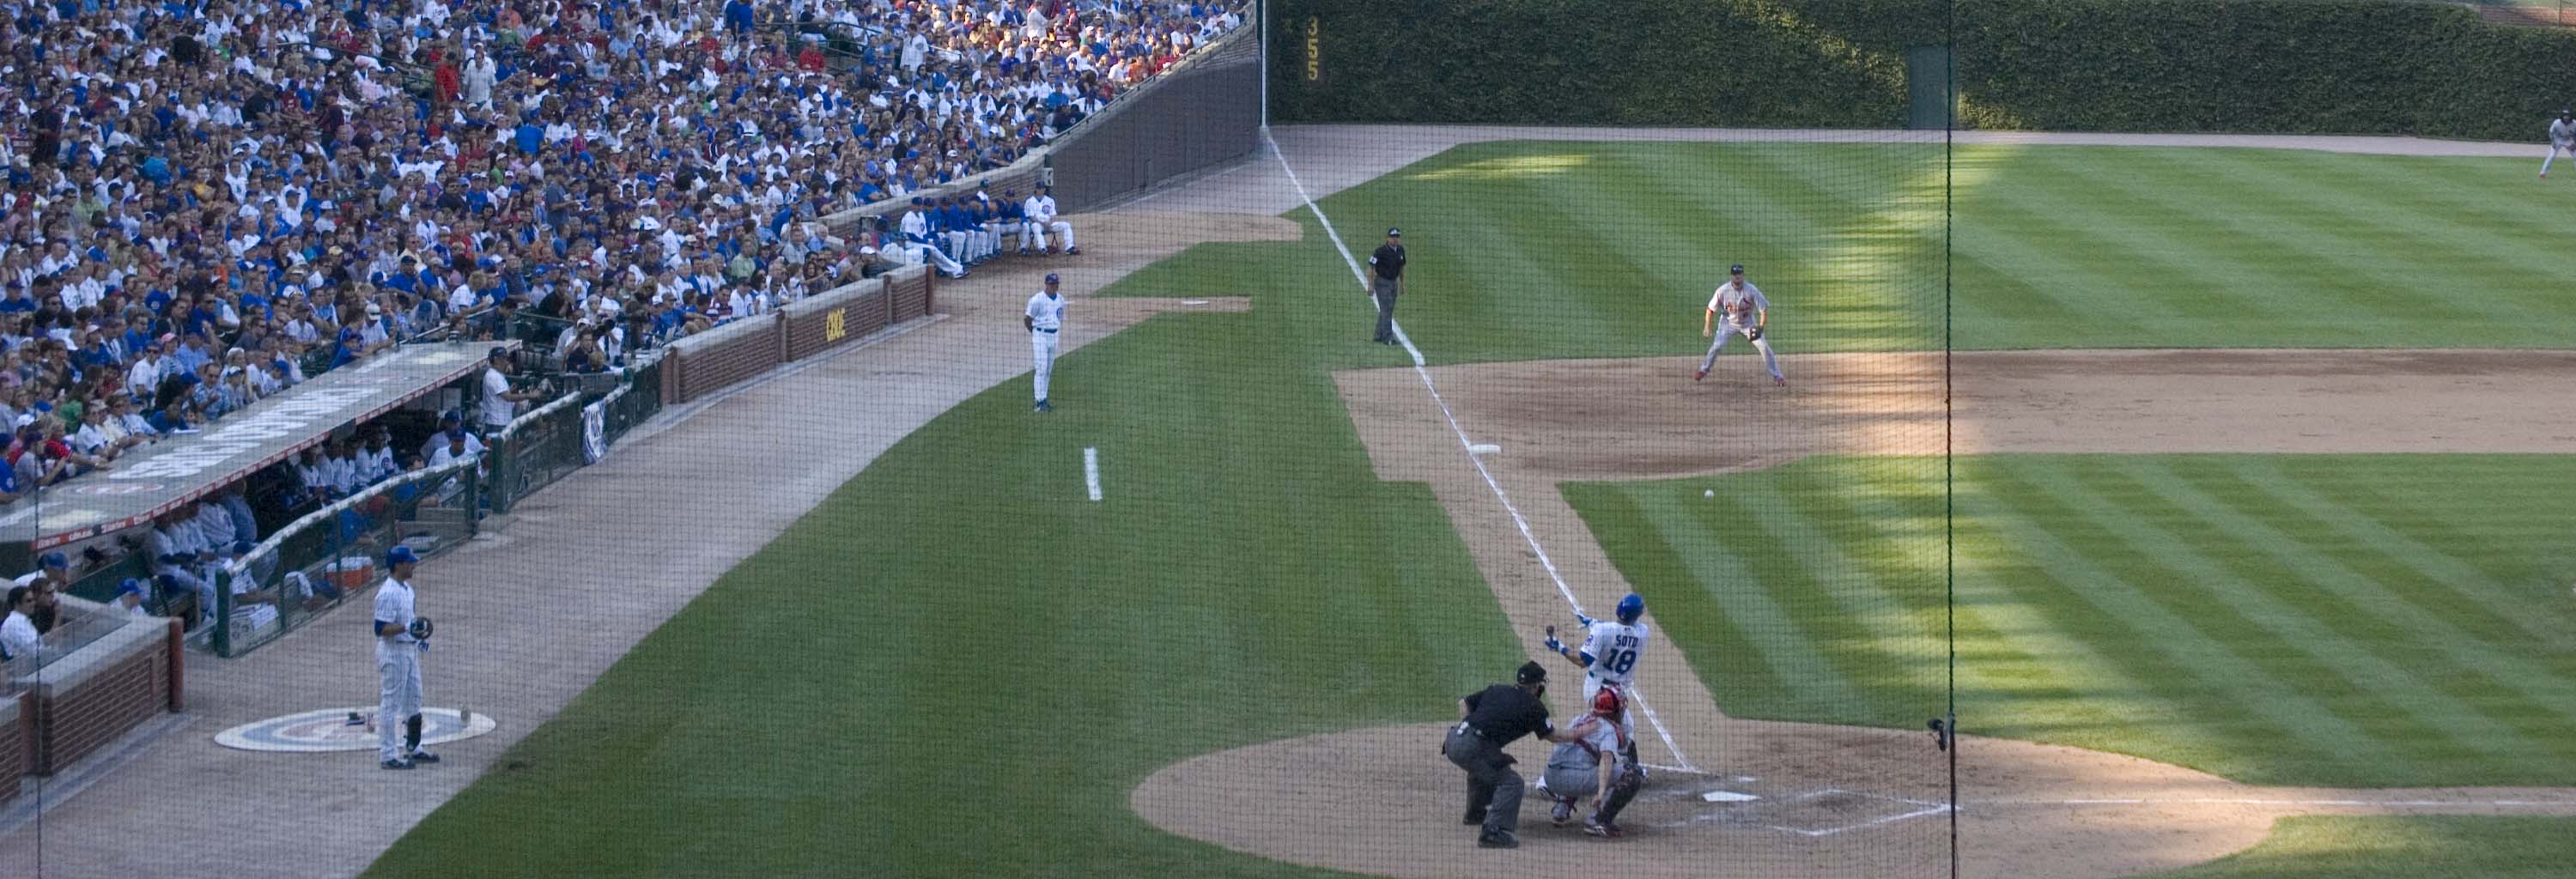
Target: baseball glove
(420, 628)
(1754, 334)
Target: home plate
(1727, 796)
(1484, 449)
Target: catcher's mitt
(420, 628)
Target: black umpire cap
(1736, 269)
(1532, 672)
(1394, 233)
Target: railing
(319, 560)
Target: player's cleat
(1073, 251)
(422, 755)
(1043, 407)
(355, 719)
(1473, 818)
(1594, 827)
(1497, 840)
(1562, 814)
(1696, 376)
(1782, 381)
(396, 763)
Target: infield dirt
(1830, 800)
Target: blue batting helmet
(401, 555)
(1631, 607)
(54, 560)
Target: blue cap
(242, 546)
(1051, 278)
(1736, 269)
(401, 555)
(497, 351)
(54, 560)
(129, 586)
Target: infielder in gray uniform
(1738, 308)
(2562, 139)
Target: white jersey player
(1609, 655)
(1044, 320)
(2562, 139)
(401, 636)
(1737, 309)
(1038, 218)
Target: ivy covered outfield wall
(2279, 66)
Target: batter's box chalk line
(1913, 809)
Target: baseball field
(2250, 554)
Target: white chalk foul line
(1423, 372)
(1091, 470)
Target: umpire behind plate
(1494, 717)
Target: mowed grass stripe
(1876, 640)
(2425, 501)
(2069, 674)
(1875, 247)
(2440, 197)
(2049, 518)
(1686, 611)
(2230, 589)
(1770, 598)
(2184, 273)
(2412, 657)
(2433, 570)
(2420, 266)
(2423, 610)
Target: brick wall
(17, 743)
(77, 718)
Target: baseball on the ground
(1709, 493)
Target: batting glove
(1553, 645)
(1585, 620)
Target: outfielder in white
(398, 666)
(1609, 655)
(1737, 309)
(1044, 320)
(1038, 216)
(2562, 139)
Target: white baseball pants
(398, 670)
(926, 253)
(1042, 348)
(1727, 332)
(2554, 150)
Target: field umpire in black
(1388, 264)
(1494, 717)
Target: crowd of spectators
(208, 199)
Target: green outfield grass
(1549, 250)
(958, 665)
(2364, 621)
(2415, 848)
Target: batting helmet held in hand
(1607, 703)
(1631, 607)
